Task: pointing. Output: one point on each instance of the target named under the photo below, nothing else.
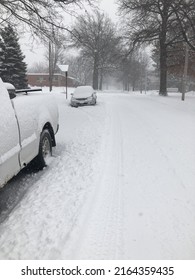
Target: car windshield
(83, 91)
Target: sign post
(64, 68)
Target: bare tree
(39, 15)
(133, 68)
(38, 67)
(175, 59)
(95, 35)
(54, 53)
(80, 67)
(185, 14)
(158, 20)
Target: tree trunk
(133, 85)
(50, 68)
(185, 72)
(163, 69)
(95, 72)
(163, 56)
(101, 81)
(125, 85)
(125, 82)
(95, 78)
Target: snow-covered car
(28, 124)
(83, 95)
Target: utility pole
(146, 80)
(141, 74)
(66, 75)
(50, 67)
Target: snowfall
(120, 184)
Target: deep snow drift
(120, 184)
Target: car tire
(45, 150)
(74, 106)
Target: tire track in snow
(102, 237)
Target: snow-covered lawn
(120, 184)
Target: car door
(9, 138)
(27, 114)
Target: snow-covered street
(120, 184)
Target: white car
(28, 124)
(83, 95)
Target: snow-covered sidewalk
(120, 184)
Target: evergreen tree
(2, 58)
(12, 67)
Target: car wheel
(45, 150)
(75, 105)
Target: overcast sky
(109, 7)
(35, 53)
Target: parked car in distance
(83, 95)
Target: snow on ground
(120, 184)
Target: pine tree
(2, 58)
(12, 67)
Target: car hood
(83, 92)
(84, 95)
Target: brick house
(42, 79)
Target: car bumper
(83, 102)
